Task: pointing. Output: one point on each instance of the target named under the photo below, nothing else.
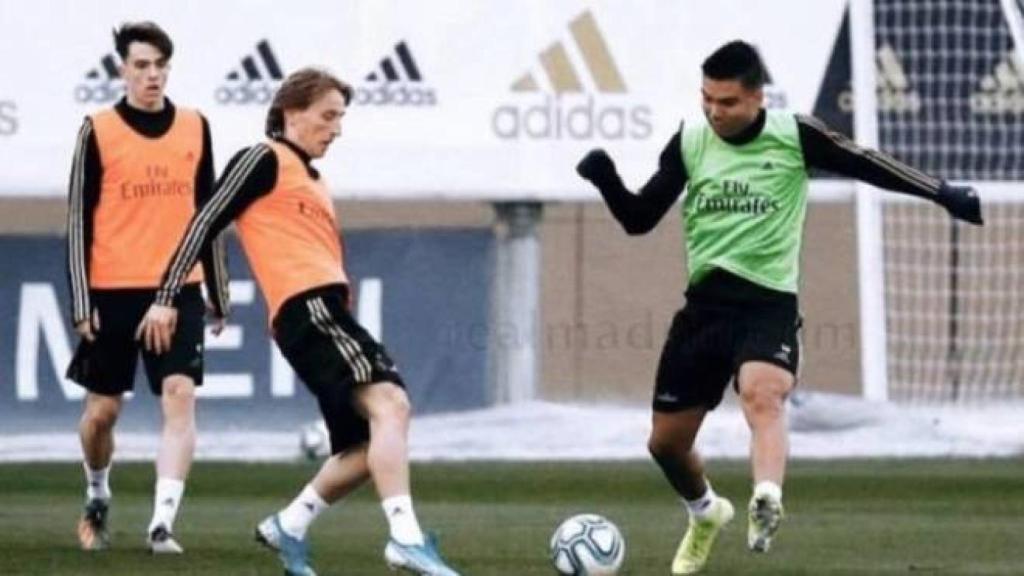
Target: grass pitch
(848, 517)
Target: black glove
(597, 166)
(961, 202)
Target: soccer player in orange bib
(140, 170)
(285, 219)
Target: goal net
(951, 102)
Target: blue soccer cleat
(293, 552)
(421, 559)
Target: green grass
(848, 517)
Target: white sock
(97, 483)
(297, 516)
(768, 488)
(405, 529)
(165, 502)
(700, 507)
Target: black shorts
(107, 365)
(332, 354)
(727, 321)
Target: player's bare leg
(285, 531)
(174, 460)
(96, 432)
(386, 406)
(763, 390)
(341, 474)
(672, 445)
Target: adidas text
(394, 94)
(248, 93)
(103, 93)
(8, 118)
(555, 119)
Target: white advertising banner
(454, 99)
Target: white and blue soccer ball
(587, 545)
(314, 440)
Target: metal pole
(870, 256)
(515, 330)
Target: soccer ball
(587, 545)
(314, 440)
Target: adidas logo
(255, 81)
(894, 91)
(568, 108)
(895, 94)
(560, 71)
(102, 84)
(1002, 91)
(396, 81)
(667, 397)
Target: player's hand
(87, 328)
(962, 203)
(596, 165)
(215, 320)
(157, 328)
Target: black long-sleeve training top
(822, 147)
(84, 197)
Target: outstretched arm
(829, 150)
(638, 213)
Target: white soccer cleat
(161, 541)
(763, 518)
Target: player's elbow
(637, 228)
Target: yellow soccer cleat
(695, 548)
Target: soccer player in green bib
(745, 169)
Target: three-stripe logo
(254, 81)
(1002, 91)
(396, 81)
(561, 73)
(102, 84)
(895, 93)
(570, 74)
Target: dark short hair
(145, 32)
(736, 60)
(298, 91)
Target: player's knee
(179, 389)
(178, 398)
(100, 418)
(762, 399)
(101, 415)
(662, 446)
(657, 447)
(389, 402)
